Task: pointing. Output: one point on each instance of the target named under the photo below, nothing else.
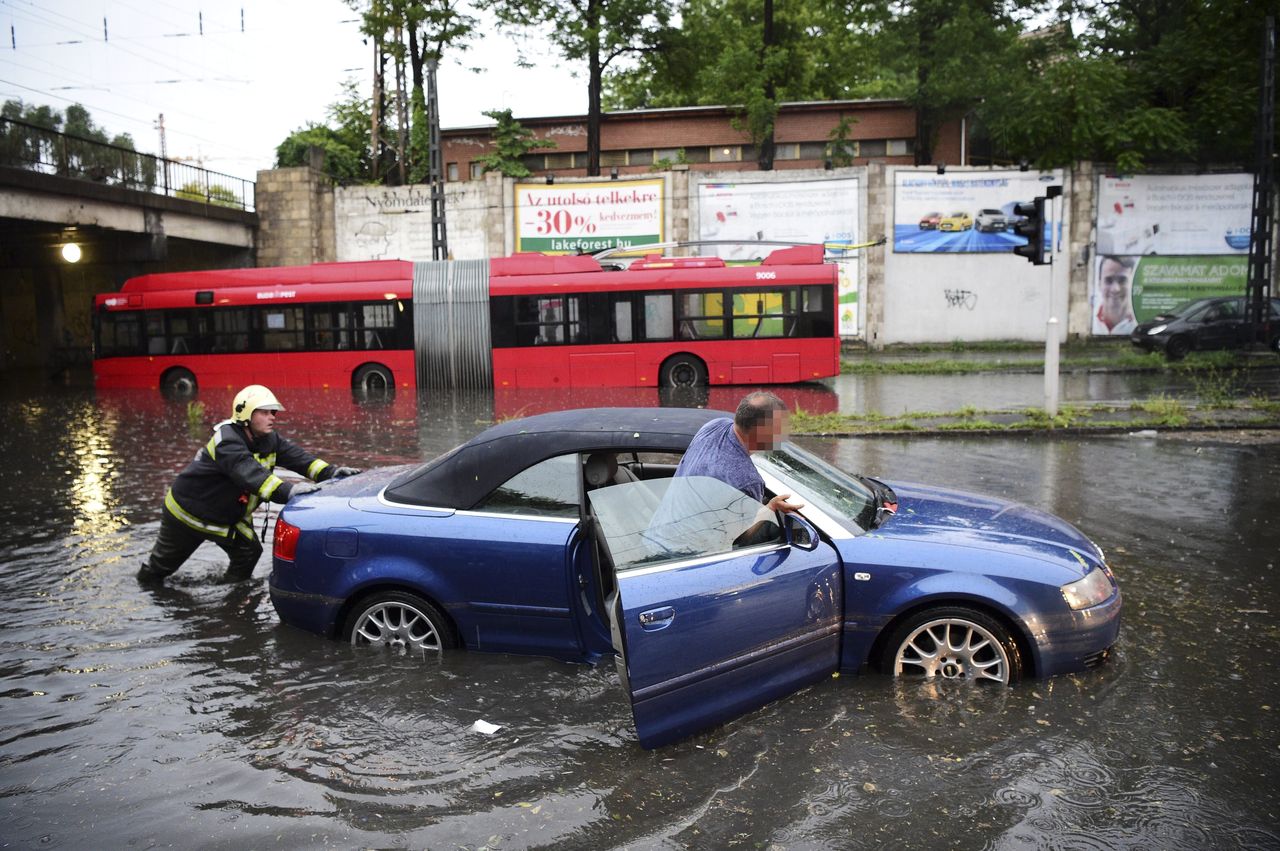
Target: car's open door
(713, 613)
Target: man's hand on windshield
(779, 503)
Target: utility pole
(164, 153)
(375, 111)
(435, 173)
(402, 116)
(1258, 283)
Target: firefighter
(214, 497)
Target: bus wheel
(683, 371)
(372, 378)
(178, 383)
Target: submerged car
(560, 535)
(957, 221)
(990, 220)
(929, 221)
(1202, 325)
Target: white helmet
(250, 399)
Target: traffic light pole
(1051, 364)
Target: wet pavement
(188, 717)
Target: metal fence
(35, 148)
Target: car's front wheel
(399, 620)
(1177, 348)
(953, 643)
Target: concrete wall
(296, 214)
(381, 222)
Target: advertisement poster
(1129, 289)
(1174, 214)
(575, 218)
(964, 213)
(794, 211)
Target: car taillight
(286, 539)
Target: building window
(612, 158)
(787, 151)
(644, 157)
(534, 162)
(900, 147)
(726, 154)
(452, 172)
(477, 171)
(872, 148)
(813, 151)
(555, 161)
(696, 155)
(671, 155)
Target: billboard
(1163, 239)
(963, 213)
(812, 210)
(574, 218)
(1174, 214)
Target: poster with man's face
(1129, 289)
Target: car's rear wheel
(401, 621)
(1177, 348)
(953, 643)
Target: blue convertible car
(558, 535)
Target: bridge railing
(34, 148)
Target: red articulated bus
(539, 321)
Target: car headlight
(1093, 589)
(1156, 330)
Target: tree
(595, 31)
(741, 54)
(419, 32)
(511, 141)
(344, 140)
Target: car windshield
(1186, 307)
(845, 498)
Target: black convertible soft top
(463, 476)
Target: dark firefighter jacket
(232, 474)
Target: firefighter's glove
(343, 472)
(303, 487)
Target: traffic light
(1031, 225)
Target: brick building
(642, 140)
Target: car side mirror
(800, 532)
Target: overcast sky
(230, 96)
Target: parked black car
(1201, 325)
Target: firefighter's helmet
(250, 399)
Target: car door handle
(656, 619)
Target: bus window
(330, 327)
(378, 323)
(701, 316)
(621, 319)
(231, 329)
(761, 314)
(544, 320)
(282, 329)
(154, 324)
(658, 323)
(119, 334)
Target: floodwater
(190, 717)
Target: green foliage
(91, 154)
(511, 141)
(341, 162)
(1129, 82)
(219, 196)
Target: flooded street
(189, 717)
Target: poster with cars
(1174, 214)
(1132, 289)
(968, 212)
(572, 218)
(817, 210)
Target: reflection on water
(150, 717)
